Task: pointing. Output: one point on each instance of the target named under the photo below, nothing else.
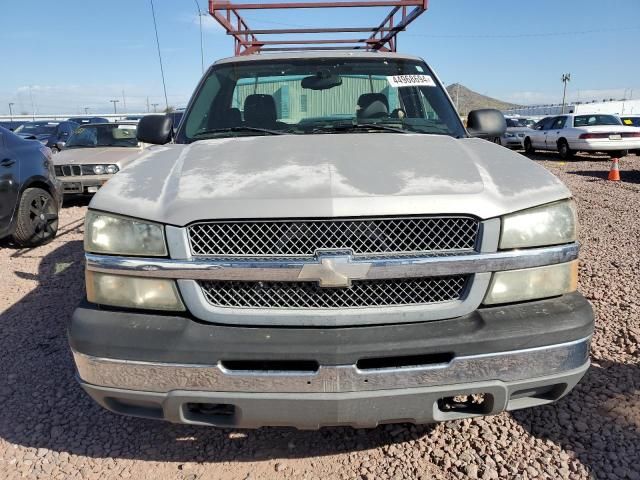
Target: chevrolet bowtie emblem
(334, 271)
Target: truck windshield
(319, 95)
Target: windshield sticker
(411, 81)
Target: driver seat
(372, 105)
(260, 111)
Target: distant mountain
(468, 100)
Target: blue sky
(82, 53)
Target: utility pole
(147, 104)
(11, 104)
(124, 101)
(86, 110)
(155, 105)
(114, 105)
(566, 78)
(201, 42)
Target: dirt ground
(49, 428)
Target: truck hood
(120, 156)
(327, 175)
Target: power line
(155, 26)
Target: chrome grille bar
(289, 270)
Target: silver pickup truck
(324, 243)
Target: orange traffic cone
(614, 173)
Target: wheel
(618, 153)
(528, 148)
(54, 150)
(564, 150)
(37, 218)
(499, 140)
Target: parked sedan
(569, 134)
(52, 134)
(517, 129)
(30, 195)
(94, 153)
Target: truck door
(9, 178)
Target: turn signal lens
(133, 292)
(532, 283)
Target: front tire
(528, 147)
(563, 149)
(37, 218)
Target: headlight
(111, 169)
(98, 169)
(509, 135)
(551, 224)
(107, 233)
(533, 283)
(133, 292)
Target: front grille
(308, 295)
(303, 238)
(68, 170)
(73, 170)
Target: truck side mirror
(155, 129)
(486, 123)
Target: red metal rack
(381, 37)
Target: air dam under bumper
(515, 356)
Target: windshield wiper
(238, 129)
(358, 126)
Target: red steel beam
(220, 5)
(383, 37)
(308, 30)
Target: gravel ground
(50, 429)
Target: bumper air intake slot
(270, 366)
(475, 404)
(535, 396)
(404, 361)
(210, 413)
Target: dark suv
(30, 194)
(52, 134)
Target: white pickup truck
(569, 134)
(323, 243)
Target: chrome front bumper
(507, 366)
